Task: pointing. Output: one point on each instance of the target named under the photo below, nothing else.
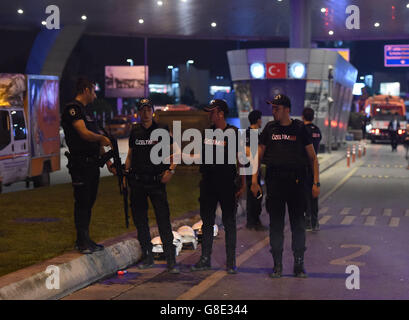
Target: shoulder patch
(72, 112)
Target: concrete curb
(77, 271)
(74, 274)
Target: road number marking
(346, 261)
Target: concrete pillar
(300, 24)
(51, 50)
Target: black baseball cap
(280, 100)
(145, 102)
(217, 103)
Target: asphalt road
(364, 215)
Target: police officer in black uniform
(253, 204)
(219, 184)
(147, 179)
(311, 213)
(285, 148)
(85, 143)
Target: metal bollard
(359, 151)
(364, 149)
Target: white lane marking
(387, 212)
(323, 210)
(394, 222)
(345, 211)
(370, 221)
(348, 220)
(366, 211)
(324, 219)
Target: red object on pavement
(276, 70)
(121, 273)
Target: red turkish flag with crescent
(276, 70)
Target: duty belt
(146, 178)
(81, 160)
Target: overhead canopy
(235, 19)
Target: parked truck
(29, 128)
(382, 109)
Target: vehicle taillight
(400, 131)
(376, 131)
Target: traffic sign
(397, 55)
(276, 70)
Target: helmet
(157, 244)
(177, 242)
(189, 237)
(197, 227)
(157, 248)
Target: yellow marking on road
(394, 222)
(348, 220)
(386, 177)
(370, 221)
(366, 211)
(364, 176)
(380, 177)
(387, 212)
(211, 280)
(345, 211)
(370, 176)
(324, 219)
(323, 210)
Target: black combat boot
(299, 271)
(231, 265)
(83, 244)
(171, 260)
(202, 264)
(95, 246)
(278, 266)
(147, 261)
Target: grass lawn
(25, 243)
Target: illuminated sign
(257, 70)
(297, 70)
(396, 55)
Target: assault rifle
(120, 172)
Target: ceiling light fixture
(43, 23)
(377, 24)
(84, 17)
(160, 3)
(20, 11)
(141, 21)
(323, 10)
(213, 24)
(330, 32)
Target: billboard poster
(125, 81)
(44, 115)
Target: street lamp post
(330, 102)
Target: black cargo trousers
(143, 187)
(213, 189)
(311, 205)
(253, 205)
(85, 179)
(286, 187)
